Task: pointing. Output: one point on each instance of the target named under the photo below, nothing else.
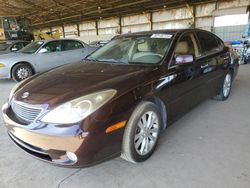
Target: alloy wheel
(147, 132)
(23, 73)
(227, 85)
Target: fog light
(71, 156)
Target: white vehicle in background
(41, 56)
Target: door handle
(205, 66)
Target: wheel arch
(22, 62)
(162, 107)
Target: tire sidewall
(131, 126)
(16, 68)
(222, 93)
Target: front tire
(21, 71)
(141, 133)
(225, 88)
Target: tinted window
(71, 45)
(187, 45)
(220, 43)
(54, 46)
(208, 42)
(18, 46)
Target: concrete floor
(208, 147)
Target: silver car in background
(12, 46)
(41, 56)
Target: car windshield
(31, 48)
(4, 46)
(137, 49)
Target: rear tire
(21, 71)
(141, 133)
(225, 88)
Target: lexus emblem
(25, 95)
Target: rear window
(208, 43)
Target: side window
(220, 43)
(71, 45)
(17, 46)
(54, 46)
(186, 45)
(25, 43)
(208, 42)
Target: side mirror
(184, 59)
(14, 49)
(43, 50)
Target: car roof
(58, 40)
(162, 31)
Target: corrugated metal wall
(164, 19)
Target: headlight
(78, 109)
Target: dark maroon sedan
(118, 100)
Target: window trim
(216, 39)
(63, 47)
(172, 56)
(47, 44)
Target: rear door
(74, 51)
(212, 61)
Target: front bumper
(51, 143)
(4, 73)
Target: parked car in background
(120, 98)
(235, 55)
(12, 46)
(42, 56)
(99, 43)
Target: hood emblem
(25, 95)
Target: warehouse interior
(207, 147)
(100, 20)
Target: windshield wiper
(112, 61)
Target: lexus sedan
(12, 46)
(118, 100)
(42, 56)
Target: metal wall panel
(174, 14)
(232, 4)
(134, 20)
(230, 32)
(205, 23)
(135, 28)
(113, 22)
(205, 9)
(172, 24)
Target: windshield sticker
(162, 36)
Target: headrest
(182, 48)
(143, 47)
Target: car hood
(74, 80)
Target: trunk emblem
(25, 95)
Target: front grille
(24, 111)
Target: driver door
(187, 88)
(50, 56)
